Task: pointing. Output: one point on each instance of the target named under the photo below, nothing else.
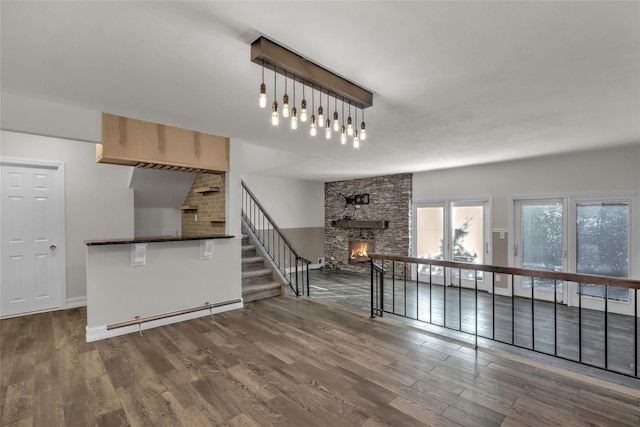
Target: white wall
(29, 115)
(151, 222)
(593, 171)
(291, 203)
(99, 204)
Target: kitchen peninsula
(137, 284)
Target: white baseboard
(76, 302)
(101, 332)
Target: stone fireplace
(359, 250)
(374, 210)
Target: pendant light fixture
(343, 132)
(363, 129)
(275, 117)
(294, 113)
(282, 61)
(285, 98)
(356, 140)
(327, 128)
(262, 100)
(320, 115)
(303, 106)
(336, 119)
(313, 128)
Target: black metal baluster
(475, 273)
(430, 297)
(444, 296)
(404, 266)
(533, 314)
(580, 322)
(606, 326)
(493, 306)
(417, 296)
(459, 299)
(513, 312)
(372, 262)
(555, 317)
(393, 287)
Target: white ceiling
(455, 83)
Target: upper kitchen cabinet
(132, 142)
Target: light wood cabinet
(132, 142)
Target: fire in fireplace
(359, 250)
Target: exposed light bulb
(356, 140)
(285, 105)
(349, 126)
(303, 110)
(313, 128)
(336, 121)
(363, 132)
(303, 107)
(343, 136)
(294, 119)
(262, 101)
(327, 129)
(275, 117)
(320, 116)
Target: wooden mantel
(344, 223)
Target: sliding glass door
(540, 245)
(452, 231)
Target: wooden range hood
(149, 145)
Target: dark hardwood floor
(551, 333)
(283, 362)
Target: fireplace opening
(359, 251)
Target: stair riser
(251, 266)
(266, 278)
(262, 295)
(248, 253)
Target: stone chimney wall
(389, 200)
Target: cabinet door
(195, 149)
(214, 152)
(130, 140)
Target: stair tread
(248, 247)
(249, 289)
(249, 260)
(255, 273)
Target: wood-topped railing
(598, 332)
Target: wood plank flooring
(537, 328)
(282, 362)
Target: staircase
(259, 280)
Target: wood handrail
(569, 277)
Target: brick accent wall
(389, 199)
(209, 205)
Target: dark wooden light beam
(281, 59)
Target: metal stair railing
(293, 267)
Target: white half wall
(613, 169)
(292, 203)
(99, 203)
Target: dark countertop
(152, 240)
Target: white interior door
(32, 257)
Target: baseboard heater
(140, 320)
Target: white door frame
(60, 180)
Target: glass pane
(430, 240)
(467, 237)
(542, 233)
(603, 245)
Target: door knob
(53, 247)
